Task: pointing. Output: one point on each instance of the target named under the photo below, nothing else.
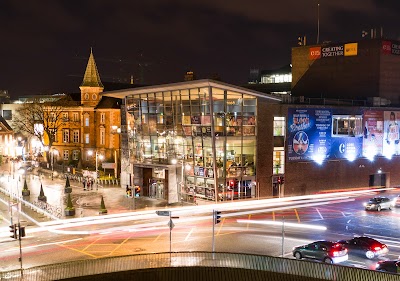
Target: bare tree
(43, 119)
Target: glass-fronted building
(191, 140)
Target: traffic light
(282, 180)
(21, 231)
(300, 41)
(217, 217)
(137, 191)
(13, 230)
(279, 180)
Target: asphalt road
(239, 231)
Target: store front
(204, 134)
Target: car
(365, 246)
(392, 266)
(378, 203)
(396, 201)
(325, 251)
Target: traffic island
(70, 209)
(67, 188)
(25, 190)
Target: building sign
(350, 49)
(333, 51)
(309, 132)
(315, 53)
(108, 165)
(389, 47)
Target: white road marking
(190, 232)
(319, 213)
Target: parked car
(392, 266)
(378, 203)
(365, 246)
(325, 251)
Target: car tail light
(377, 248)
(335, 253)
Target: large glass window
(345, 125)
(279, 126)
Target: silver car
(378, 203)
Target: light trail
(281, 223)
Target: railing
(260, 265)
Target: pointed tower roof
(92, 77)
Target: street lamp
(53, 151)
(98, 156)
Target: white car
(378, 203)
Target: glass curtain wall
(175, 127)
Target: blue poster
(309, 134)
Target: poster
(372, 133)
(309, 133)
(391, 136)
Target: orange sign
(315, 53)
(350, 49)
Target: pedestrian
(88, 184)
(91, 183)
(84, 184)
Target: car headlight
(365, 204)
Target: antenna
(318, 23)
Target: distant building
(4, 96)
(276, 81)
(360, 70)
(189, 76)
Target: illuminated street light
(98, 156)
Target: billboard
(391, 136)
(372, 133)
(310, 137)
(308, 133)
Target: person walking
(84, 183)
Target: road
(242, 229)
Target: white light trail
(286, 224)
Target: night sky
(45, 44)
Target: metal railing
(260, 265)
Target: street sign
(171, 224)
(163, 213)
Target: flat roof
(121, 94)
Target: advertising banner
(391, 136)
(350, 49)
(373, 133)
(309, 133)
(347, 147)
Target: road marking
(158, 237)
(190, 232)
(247, 227)
(220, 227)
(297, 215)
(319, 213)
(273, 216)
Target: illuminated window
(86, 138)
(76, 136)
(65, 116)
(66, 155)
(102, 136)
(102, 118)
(276, 78)
(347, 125)
(279, 126)
(279, 160)
(75, 154)
(65, 135)
(87, 121)
(75, 116)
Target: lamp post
(98, 156)
(52, 152)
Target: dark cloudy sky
(45, 44)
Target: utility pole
(318, 24)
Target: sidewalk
(86, 202)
